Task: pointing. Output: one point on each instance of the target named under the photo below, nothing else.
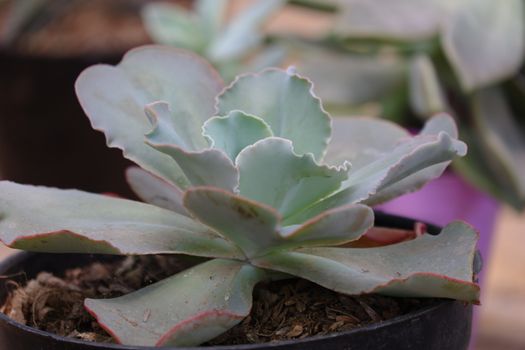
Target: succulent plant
(413, 58)
(229, 46)
(256, 177)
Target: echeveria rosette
(253, 184)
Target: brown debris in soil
(55, 304)
(296, 309)
(290, 309)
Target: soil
(81, 27)
(289, 309)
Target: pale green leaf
(186, 309)
(58, 221)
(233, 132)
(429, 266)
(153, 190)
(271, 173)
(485, 41)
(332, 227)
(285, 101)
(114, 97)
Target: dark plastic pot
(45, 137)
(444, 325)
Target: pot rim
(19, 257)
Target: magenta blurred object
(446, 199)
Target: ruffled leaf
(186, 309)
(271, 173)
(57, 221)
(173, 128)
(210, 167)
(378, 174)
(438, 123)
(285, 101)
(256, 228)
(485, 41)
(232, 133)
(114, 97)
(429, 266)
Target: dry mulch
(290, 309)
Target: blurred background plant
(406, 60)
(233, 44)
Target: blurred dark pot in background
(45, 138)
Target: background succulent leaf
(171, 24)
(268, 56)
(426, 94)
(485, 41)
(114, 97)
(233, 132)
(271, 173)
(22, 14)
(211, 14)
(243, 33)
(153, 190)
(407, 20)
(479, 173)
(344, 79)
(186, 309)
(361, 140)
(285, 101)
(428, 266)
(501, 140)
(52, 220)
